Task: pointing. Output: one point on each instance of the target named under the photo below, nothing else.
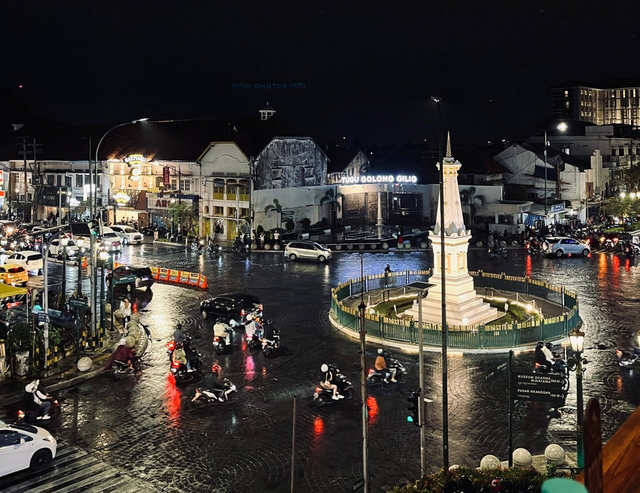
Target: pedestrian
(126, 315)
(262, 239)
(387, 271)
(276, 236)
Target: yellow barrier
(155, 272)
(163, 275)
(174, 276)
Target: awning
(6, 291)
(532, 218)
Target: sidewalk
(66, 373)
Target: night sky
(364, 70)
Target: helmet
(249, 318)
(380, 351)
(549, 345)
(324, 368)
(539, 345)
(215, 369)
(179, 326)
(219, 320)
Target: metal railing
(382, 287)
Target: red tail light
(318, 390)
(171, 345)
(538, 365)
(370, 371)
(618, 353)
(20, 414)
(216, 338)
(243, 313)
(175, 364)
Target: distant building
(603, 103)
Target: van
(307, 250)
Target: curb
(413, 348)
(97, 368)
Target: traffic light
(414, 400)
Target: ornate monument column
(464, 306)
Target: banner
(166, 176)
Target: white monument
(463, 305)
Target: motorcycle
(559, 367)
(29, 412)
(322, 396)
(630, 249)
(377, 377)
(180, 371)
(220, 345)
(533, 246)
(214, 250)
(197, 245)
(254, 341)
(627, 358)
(217, 395)
(498, 252)
(240, 248)
(270, 348)
(119, 368)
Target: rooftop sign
(135, 159)
(362, 179)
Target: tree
(277, 208)
(631, 178)
(334, 199)
(182, 212)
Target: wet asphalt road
(146, 428)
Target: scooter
(322, 396)
(216, 395)
(254, 341)
(197, 246)
(630, 249)
(120, 368)
(498, 252)
(28, 415)
(220, 345)
(270, 348)
(214, 250)
(626, 358)
(533, 246)
(377, 377)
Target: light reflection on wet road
(149, 428)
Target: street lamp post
(104, 256)
(80, 243)
(64, 241)
(562, 127)
(576, 336)
(444, 328)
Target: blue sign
(555, 208)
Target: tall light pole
(443, 265)
(94, 212)
(562, 127)
(576, 336)
(80, 244)
(104, 256)
(64, 241)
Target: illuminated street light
(576, 337)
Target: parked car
(131, 276)
(307, 250)
(13, 274)
(559, 246)
(127, 234)
(25, 446)
(28, 259)
(229, 306)
(55, 248)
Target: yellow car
(13, 274)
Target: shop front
(175, 215)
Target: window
(49, 179)
(185, 185)
(308, 172)
(218, 211)
(9, 437)
(79, 181)
(67, 181)
(276, 173)
(174, 184)
(206, 209)
(621, 151)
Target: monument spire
(448, 155)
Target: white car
(29, 259)
(307, 250)
(128, 234)
(25, 446)
(559, 246)
(55, 248)
(110, 240)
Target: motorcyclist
(36, 394)
(178, 335)
(539, 356)
(548, 354)
(211, 383)
(268, 334)
(381, 365)
(250, 327)
(179, 356)
(221, 329)
(237, 244)
(122, 353)
(327, 382)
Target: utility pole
(363, 387)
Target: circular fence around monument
(373, 288)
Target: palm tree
(277, 208)
(181, 212)
(334, 199)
